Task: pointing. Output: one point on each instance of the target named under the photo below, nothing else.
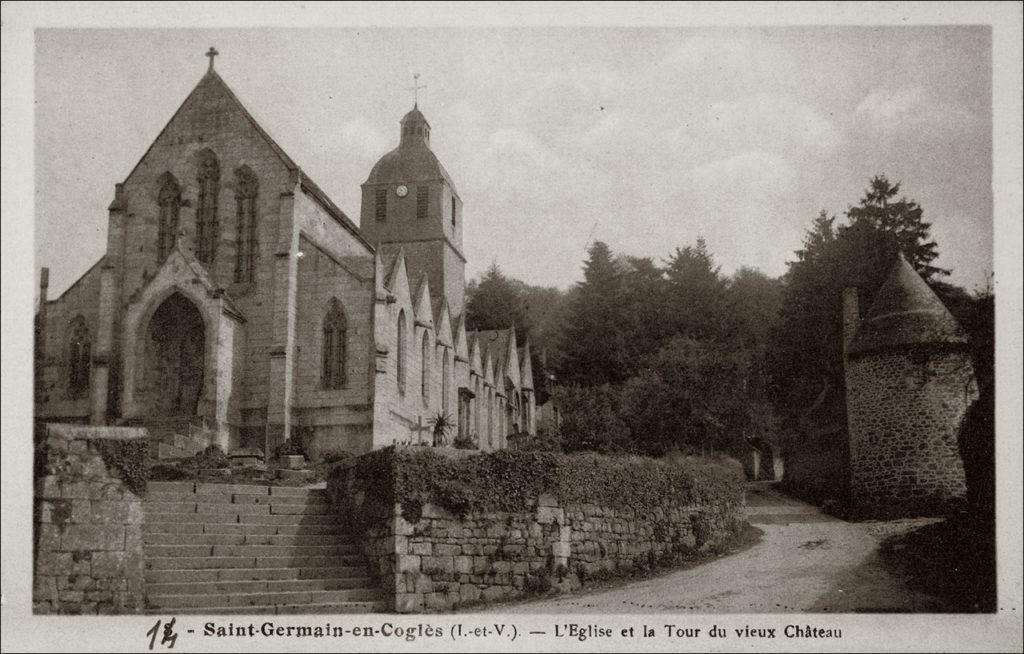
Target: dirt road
(806, 561)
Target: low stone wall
(431, 558)
(88, 521)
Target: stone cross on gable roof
(211, 53)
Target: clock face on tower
(401, 191)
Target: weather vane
(415, 88)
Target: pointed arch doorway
(174, 359)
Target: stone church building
(235, 295)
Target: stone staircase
(220, 548)
(177, 437)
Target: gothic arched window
(169, 201)
(401, 352)
(334, 346)
(425, 372)
(446, 385)
(207, 226)
(246, 190)
(78, 358)
(490, 418)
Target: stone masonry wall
(442, 561)
(904, 412)
(428, 559)
(818, 466)
(88, 524)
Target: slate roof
(411, 161)
(495, 341)
(906, 312)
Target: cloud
(364, 138)
(912, 108)
(754, 173)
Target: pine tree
(497, 302)
(594, 349)
(807, 344)
(647, 323)
(901, 217)
(695, 292)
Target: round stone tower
(909, 382)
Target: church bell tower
(409, 202)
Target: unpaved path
(806, 561)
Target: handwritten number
(152, 632)
(169, 637)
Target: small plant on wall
(466, 442)
(441, 426)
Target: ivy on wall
(130, 459)
(509, 481)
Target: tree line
(651, 356)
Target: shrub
(466, 442)
(509, 481)
(546, 440)
(291, 447)
(212, 457)
(591, 419)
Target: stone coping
(95, 432)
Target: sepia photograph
(465, 329)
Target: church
(238, 300)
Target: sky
(645, 138)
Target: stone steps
(280, 520)
(175, 438)
(213, 488)
(253, 574)
(277, 508)
(172, 538)
(257, 586)
(240, 548)
(258, 551)
(285, 609)
(201, 600)
(153, 527)
(238, 498)
(215, 562)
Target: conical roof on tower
(906, 312)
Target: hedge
(509, 481)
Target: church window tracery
(401, 352)
(207, 227)
(446, 384)
(334, 346)
(246, 192)
(425, 372)
(79, 352)
(169, 202)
